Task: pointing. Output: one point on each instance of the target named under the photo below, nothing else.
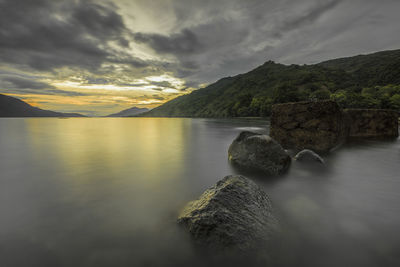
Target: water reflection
(105, 192)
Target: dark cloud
(158, 97)
(120, 42)
(96, 80)
(164, 84)
(42, 92)
(47, 34)
(228, 37)
(310, 16)
(30, 85)
(18, 82)
(191, 84)
(63, 92)
(184, 42)
(133, 84)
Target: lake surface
(106, 192)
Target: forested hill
(365, 81)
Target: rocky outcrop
(257, 152)
(366, 123)
(235, 214)
(307, 155)
(319, 126)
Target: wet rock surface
(310, 156)
(233, 215)
(319, 126)
(258, 152)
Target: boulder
(319, 125)
(365, 123)
(258, 152)
(307, 155)
(233, 215)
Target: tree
(340, 97)
(320, 94)
(285, 93)
(395, 102)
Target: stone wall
(372, 123)
(322, 125)
(318, 126)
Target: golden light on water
(103, 143)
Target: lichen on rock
(235, 214)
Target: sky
(100, 57)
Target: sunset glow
(97, 57)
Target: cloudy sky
(99, 57)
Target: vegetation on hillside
(368, 81)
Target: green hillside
(365, 81)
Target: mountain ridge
(133, 111)
(14, 107)
(253, 93)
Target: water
(106, 192)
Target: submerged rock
(365, 123)
(319, 126)
(235, 215)
(307, 155)
(257, 152)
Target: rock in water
(319, 126)
(257, 152)
(372, 123)
(307, 155)
(233, 215)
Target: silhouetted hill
(365, 81)
(13, 107)
(129, 112)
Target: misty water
(106, 192)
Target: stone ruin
(323, 125)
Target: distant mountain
(129, 112)
(364, 81)
(14, 107)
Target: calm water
(105, 192)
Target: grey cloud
(164, 84)
(235, 36)
(191, 84)
(63, 92)
(206, 40)
(17, 83)
(24, 83)
(133, 84)
(158, 97)
(308, 17)
(42, 92)
(47, 34)
(95, 80)
(184, 42)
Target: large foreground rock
(234, 215)
(257, 152)
(365, 123)
(319, 126)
